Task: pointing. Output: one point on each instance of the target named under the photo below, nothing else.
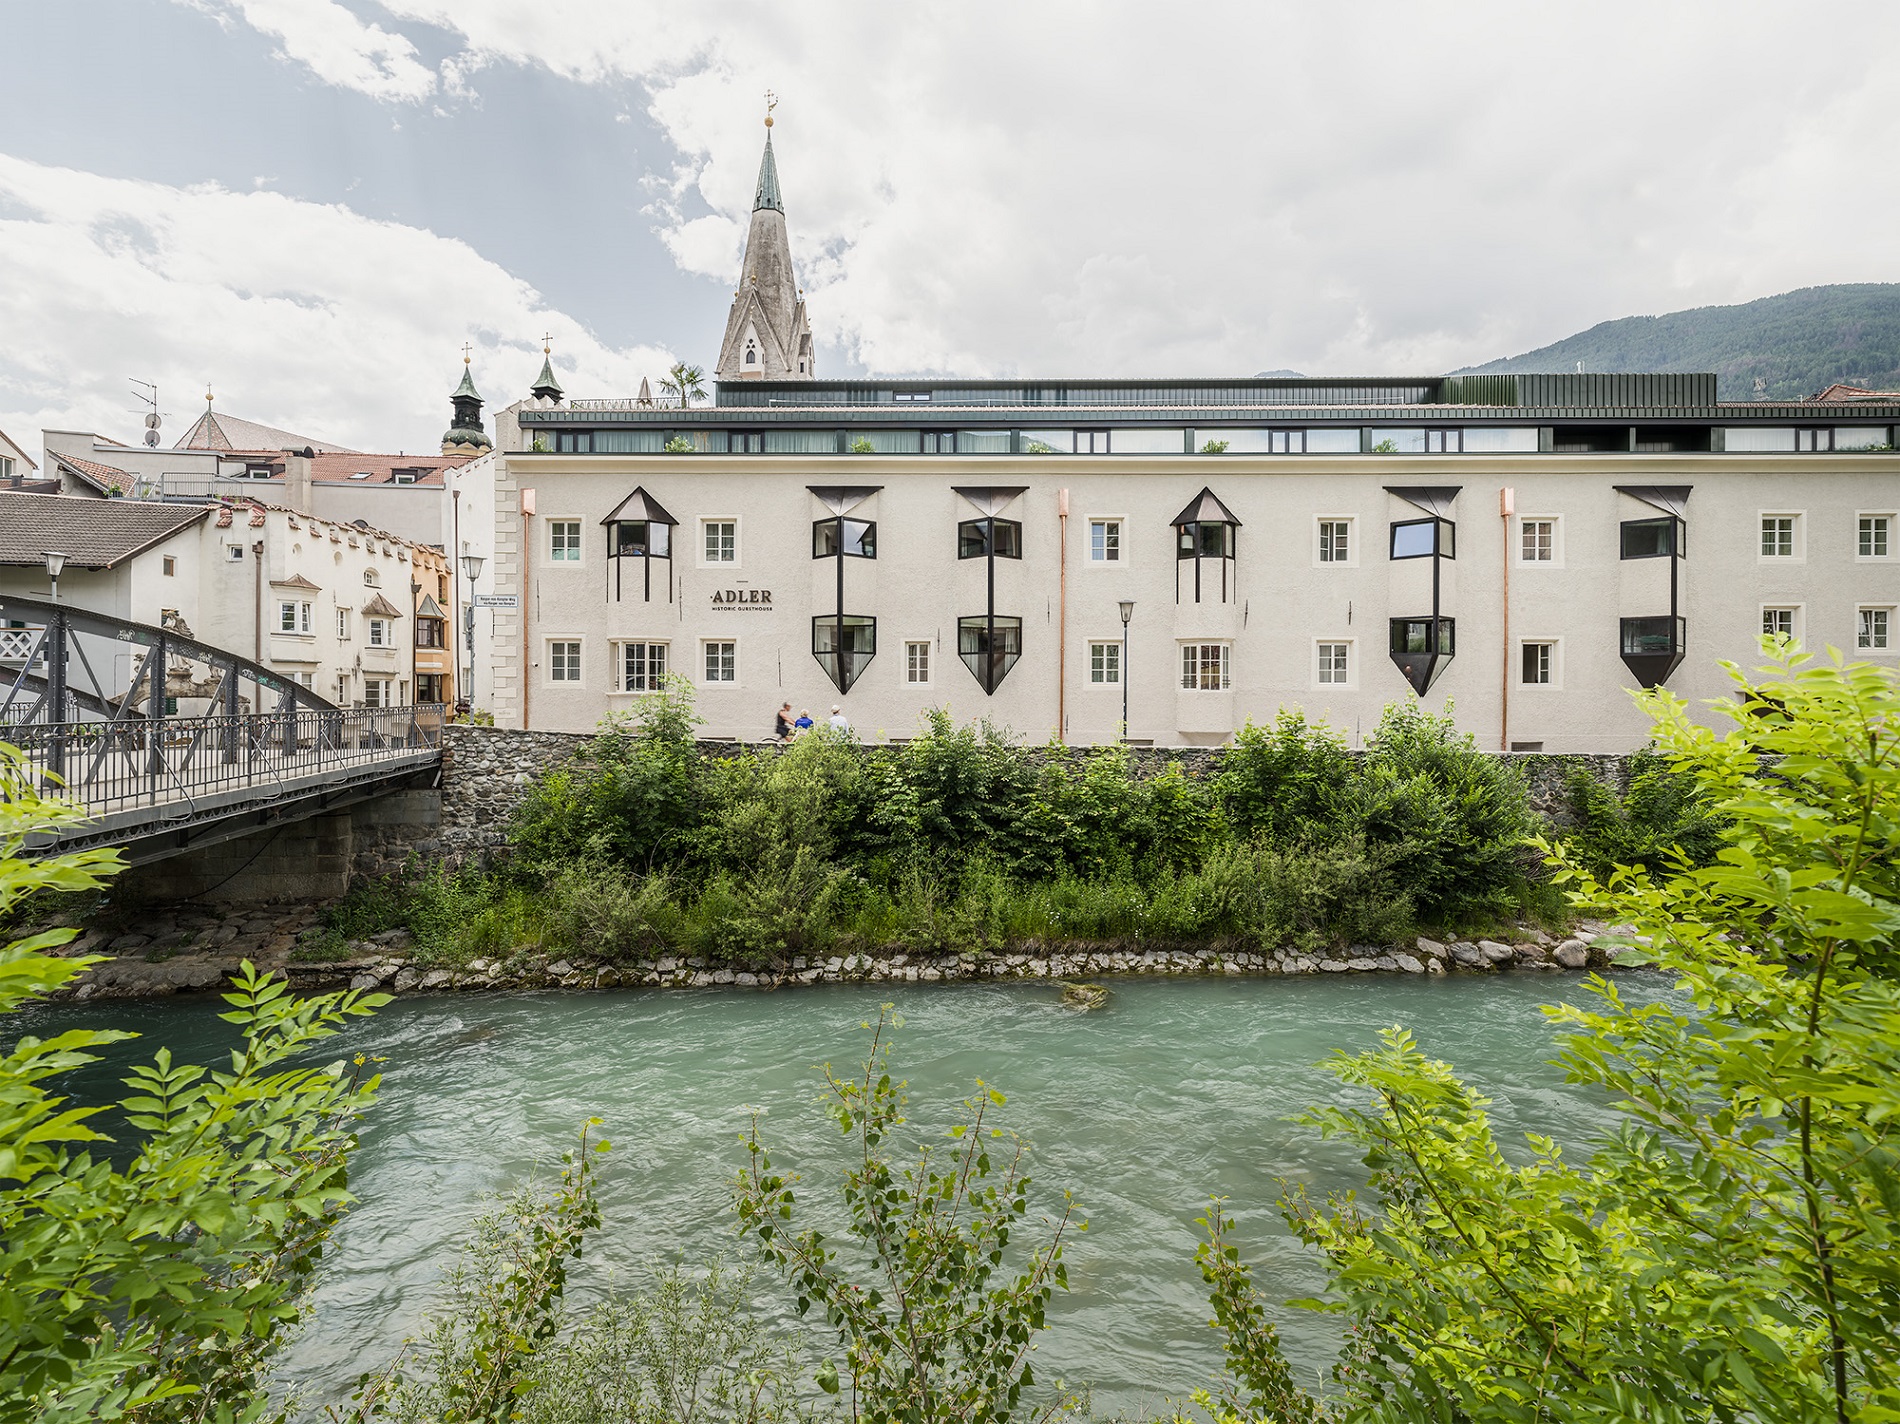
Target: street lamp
(1128, 611)
(55, 561)
(471, 570)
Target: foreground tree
(154, 1290)
(935, 1327)
(1728, 1251)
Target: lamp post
(55, 561)
(471, 570)
(1128, 611)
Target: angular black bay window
(1423, 647)
(1654, 538)
(983, 538)
(843, 643)
(1653, 647)
(1424, 539)
(639, 528)
(850, 538)
(844, 646)
(1206, 531)
(990, 642)
(989, 645)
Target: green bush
(1664, 820)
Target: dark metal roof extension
(1205, 508)
(1433, 499)
(1670, 499)
(91, 533)
(639, 506)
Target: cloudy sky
(312, 204)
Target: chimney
(297, 479)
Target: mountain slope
(1777, 348)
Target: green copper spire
(767, 194)
(545, 385)
(467, 388)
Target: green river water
(1180, 1089)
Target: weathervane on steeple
(771, 103)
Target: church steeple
(465, 435)
(768, 336)
(545, 386)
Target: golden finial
(771, 103)
(546, 349)
(207, 395)
(466, 348)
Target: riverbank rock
(1572, 954)
(1469, 955)
(1495, 952)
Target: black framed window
(844, 645)
(1417, 636)
(977, 538)
(1654, 538)
(1653, 637)
(643, 538)
(1207, 539)
(855, 538)
(989, 647)
(1422, 538)
(574, 442)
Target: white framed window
(719, 541)
(234, 552)
(1874, 631)
(371, 578)
(564, 660)
(1337, 545)
(564, 541)
(379, 633)
(721, 662)
(917, 664)
(1537, 540)
(343, 624)
(293, 617)
(343, 689)
(1105, 541)
(376, 692)
(1333, 662)
(642, 666)
(171, 566)
(1874, 536)
(1781, 620)
(1206, 667)
(1105, 664)
(1781, 536)
(1538, 663)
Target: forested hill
(1794, 345)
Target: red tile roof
(1838, 392)
(381, 469)
(102, 477)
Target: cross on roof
(466, 348)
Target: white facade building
(1202, 553)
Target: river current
(1178, 1090)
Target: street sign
(498, 600)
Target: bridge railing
(120, 766)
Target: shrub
(1663, 821)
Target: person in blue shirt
(803, 724)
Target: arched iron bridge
(261, 750)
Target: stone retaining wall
(486, 771)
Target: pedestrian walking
(782, 724)
(839, 723)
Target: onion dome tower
(465, 435)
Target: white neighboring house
(354, 614)
(16, 466)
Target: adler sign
(753, 600)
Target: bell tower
(768, 337)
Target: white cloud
(1118, 186)
(335, 44)
(309, 317)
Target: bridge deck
(162, 787)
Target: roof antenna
(152, 418)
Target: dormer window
(370, 578)
(751, 354)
